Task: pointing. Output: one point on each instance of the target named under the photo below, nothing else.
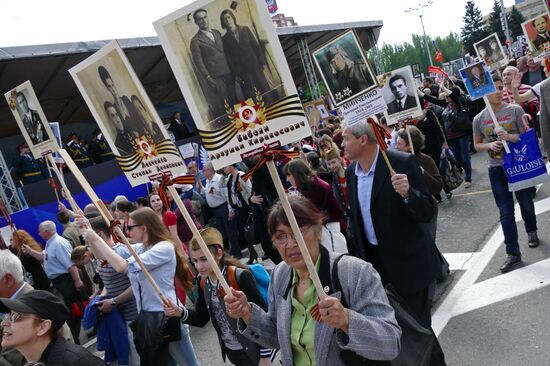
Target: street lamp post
(418, 9)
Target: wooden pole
(206, 252)
(68, 196)
(106, 214)
(51, 177)
(296, 230)
(497, 127)
(410, 138)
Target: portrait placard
(31, 120)
(399, 93)
(57, 134)
(233, 74)
(478, 80)
(490, 50)
(127, 118)
(456, 66)
(416, 70)
(537, 31)
(344, 68)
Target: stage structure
(8, 191)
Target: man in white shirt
(215, 194)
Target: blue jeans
(505, 202)
(461, 150)
(182, 351)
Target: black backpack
(416, 341)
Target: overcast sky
(41, 22)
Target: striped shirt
(508, 96)
(116, 283)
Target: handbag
(152, 328)
(250, 228)
(460, 119)
(450, 171)
(524, 166)
(416, 341)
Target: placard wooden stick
(498, 127)
(196, 234)
(106, 214)
(68, 195)
(296, 230)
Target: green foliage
(403, 54)
(474, 29)
(515, 18)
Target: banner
(365, 105)
(127, 118)
(233, 74)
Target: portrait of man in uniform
(31, 120)
(344, 68)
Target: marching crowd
(344, 197)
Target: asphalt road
(482, 317)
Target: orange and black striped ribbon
(112, 225)
(271, 155)
(380, 133)
(167, 181)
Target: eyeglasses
(14, 317)
(283, 238)
(130, 227)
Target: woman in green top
(367, 328)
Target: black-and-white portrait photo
(31, 120)
(490, 50)
(225, 56)
(344, 68)
(234, 76)
(123, 111)
(399, 93)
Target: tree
(474, 29)
(515, 18)
(403, 54)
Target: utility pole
(504, 21)
(418, 10)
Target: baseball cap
(42, 303)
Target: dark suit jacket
(393, 107)
(33, 126)
(540, 41)
(408, 254)
(178, 130)
(208, 56)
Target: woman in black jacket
(210, 305)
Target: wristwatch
(113, 302)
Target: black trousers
(64, 285)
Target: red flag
(438, 56)
(437, 70)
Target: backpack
(416, 341)
(259, 273)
